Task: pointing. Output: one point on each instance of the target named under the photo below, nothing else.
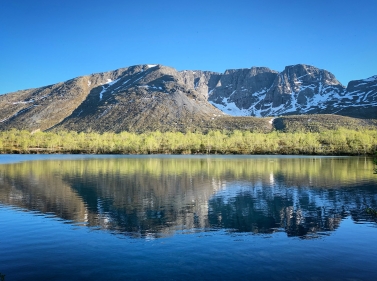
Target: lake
(90, 217)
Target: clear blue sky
(47, 41)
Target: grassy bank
(330, 142)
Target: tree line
(329, 142)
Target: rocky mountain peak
(309, 74)
(298, 89)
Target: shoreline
(39, 152)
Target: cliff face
(240, 91)
(151, 97)
(301, 89)
(298, 89)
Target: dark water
(181, 218)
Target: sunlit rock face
(159, 196)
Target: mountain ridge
(150, 97)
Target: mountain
(361, 98)
(298, 89)
(143, 97)
(157, 97)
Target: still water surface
(187, 217)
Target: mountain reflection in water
(157, 196)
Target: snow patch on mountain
(231, 108)
(138, 79)
(106, 86)
(102, 92)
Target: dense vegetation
(322, 122)
(330, 142)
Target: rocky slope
(144, 97)
(156, 97)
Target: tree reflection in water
(155, 197)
